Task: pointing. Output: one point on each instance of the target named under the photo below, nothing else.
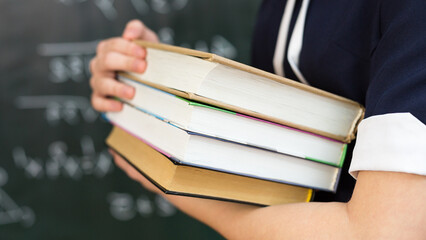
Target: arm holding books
(384, 205)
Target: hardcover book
(224, 83)
(219, 123)
(178, 179)
(199, 150)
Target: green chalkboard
(57, 180)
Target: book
(190, 181)
(199, 150)
(216, 122)
(227, 84)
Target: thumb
(135, 29)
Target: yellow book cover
(178, 179)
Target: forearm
(291, 221)
(384, 206)
(221, 216)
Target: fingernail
(130, 33)
(140, 53)
(128, 92)
(116, 106)
(139, 66)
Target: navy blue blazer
(371, 51)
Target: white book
(221, 82)
(231, 126)
(211, 153)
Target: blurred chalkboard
(56, 179)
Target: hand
(118, 54)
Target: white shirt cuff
(393, 142)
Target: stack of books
(202, 125)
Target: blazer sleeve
(393, 135)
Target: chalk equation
(125, 207)
(10, 211)
(60, 163)
(218, 44)
(73, 67)
(68, 61)
(142, 7)
(71, 109)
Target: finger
(114, 61)
(111, 87)
(133, 173)
(96, 71)
(127, 168)
(121, 163)
(122, 46)
(135, 29)
(103, 104)
(92, 66)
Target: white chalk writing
(10, 211)
(60, 163)
(124, 207)
(60, 107)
